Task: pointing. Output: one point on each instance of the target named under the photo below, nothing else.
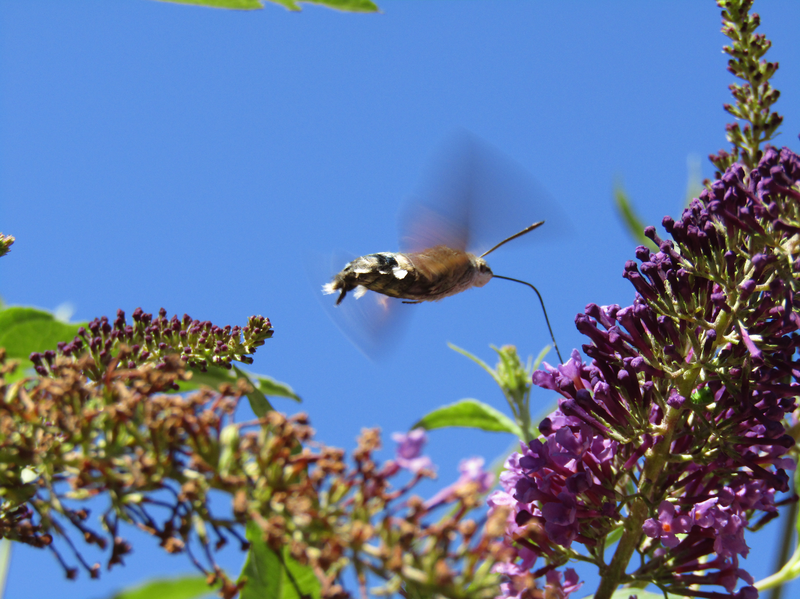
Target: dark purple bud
(639, 283)
(711, 338)
(758, 261)
(642, 253)
(36, 358)
(600, 315)
(747, 288)
(162, 313)
(650, 233)
(675, 399)
(631, 385)
(719, 300)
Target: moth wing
(474, 196)
(426, 225)
(439, 261)
(373, 322)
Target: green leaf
(5, 560)
(213, 377)
(469, 413)
(630, 218)
(347, 5)
(27, 330)
(288, 4)
(273, 575)
(231, 4)
(272, 388)
(188, 587)
(478, 361)
(263, 386)
(258, 401)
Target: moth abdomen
(384, 272)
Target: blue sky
(162, 155)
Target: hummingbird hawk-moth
(428, 275)
(436, 262)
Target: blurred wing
(440, 262)
(474, 196)
(374, 323)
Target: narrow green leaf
(694, 178)
(478, 361)
(262, 384)
(631, 220)
(213, 377)
(258, 401)
(614, 536)
(5, 560)
(469, 413)
(272, 388)
(272, 575)
(27, 330)
(539, 358)
(231, 4)
(347, 5)
(188, 587)
(287, 4)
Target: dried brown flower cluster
(156, 457)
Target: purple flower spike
(683, 401)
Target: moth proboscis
(427, 275)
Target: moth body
(428, 275)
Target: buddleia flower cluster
(673, 434)
(123, 438)
(149, 340)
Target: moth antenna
(514, 236)
(541, 301)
